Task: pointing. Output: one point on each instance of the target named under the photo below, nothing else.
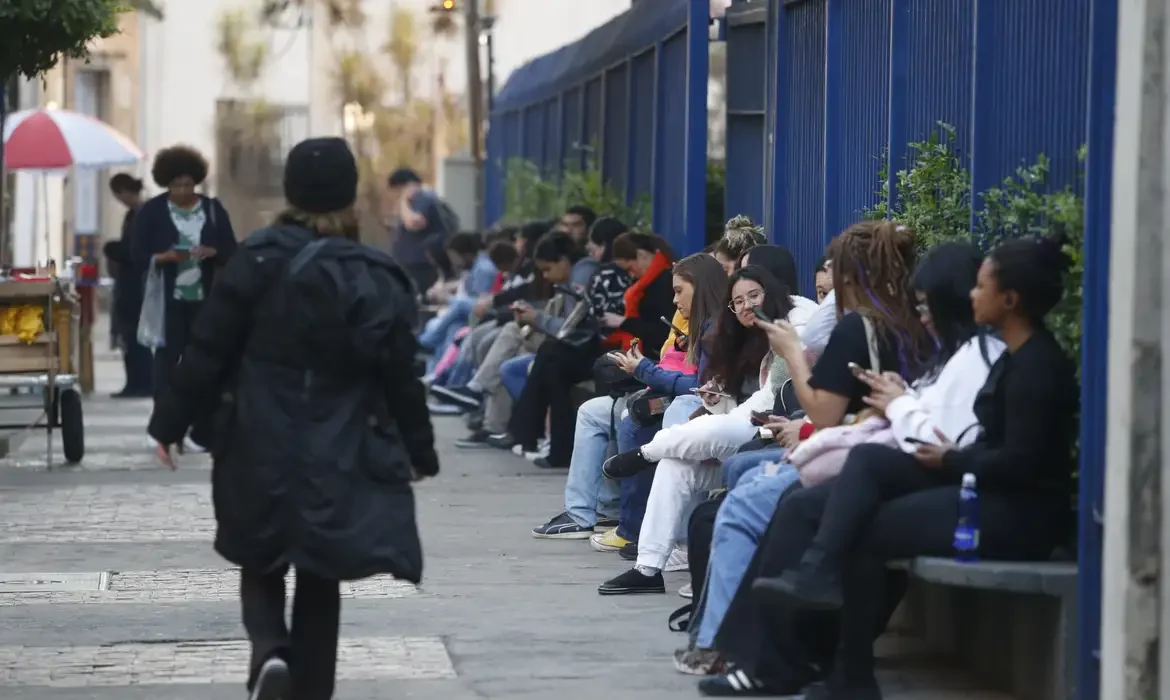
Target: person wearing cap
(303, 352)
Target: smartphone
(677, 332)
(760, 314)
(181, 248)
(765, 434)
(856, 369)
(713, 393)
(915, 441)
(633, 345)
(761, 418)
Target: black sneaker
(633, 581)
(836, 690)
(562, 527)
(458, 395)
(629, 551)
(475, 420)
(272, 682)
(475, 441)
(738, 684)
(625, 465)
(502, 441)
(803, 587)
(543, 463)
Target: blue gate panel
(746, 49)
(551, 162)
(513, 143)
(615, 146)
(744, 192)
(939, 40)
(494, 173)
(642, 124)
(1031, 87)
(857, 109)
(571, 123)
(534, 134)
(592, 131)
(670, 162)
(747, 99)
(801, 124)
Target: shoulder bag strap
(875, 362)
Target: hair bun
(1051, 249)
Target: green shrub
(529, 194)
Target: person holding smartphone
(188, 237)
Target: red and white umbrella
(54, 139)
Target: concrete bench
(1013, 623)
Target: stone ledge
(1057, 579)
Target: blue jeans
(740, 523)
(636, 489)
(514, 374)
(439, 332)
(588, 493)
(735, 466)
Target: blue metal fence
(631, 98)
(850, 82)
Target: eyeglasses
(752, 298)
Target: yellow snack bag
(30, 322)
(8, 320)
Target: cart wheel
(53, 407)
(72, 427)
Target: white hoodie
(948, 402)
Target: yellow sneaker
(608, 541)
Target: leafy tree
(34, 34)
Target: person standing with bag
(306, 345)
(181, 237)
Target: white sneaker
(190, 447)
(677, 561)
(518, 450)
(272, 682)
(687, 591)
(533, 456)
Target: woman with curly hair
(187, 236)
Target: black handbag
(611, 380)
(647, 407)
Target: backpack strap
(875, 362)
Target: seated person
(560, 365)
(942, 399)
(889, 504)
(699, 289)
(466, 253)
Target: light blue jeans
(588, 494)
(439, 332)
(740, 523)
(736, 466)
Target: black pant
(555, 369)
(136, 359)
(180, 317)
(311, 648)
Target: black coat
(315, 433)
(155, 232)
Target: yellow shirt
(679, 323)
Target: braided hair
(873, 263)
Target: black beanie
(321, 176)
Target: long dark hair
(779, 261)
(706, 275)
(627, 245)
(872, 265)
(735, 351)
(603, 232)
(946, 276)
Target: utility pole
(471, 26)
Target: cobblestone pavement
(109, 588)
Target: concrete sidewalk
(109, 588)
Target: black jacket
(155, 232)
(316, 426)
(128, 276)
(646, 325)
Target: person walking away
(424, 222)
(304, 349)
(128, 288)
(189, 237)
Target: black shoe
(132, 394)
(633, 581)
(738, 684)
(562, 527)
(806, 587)
(543, 463)
(834, 690)
(625, 465)
(458, 395)
(477, 440)
(605, 523)
(475, 420)
(272, 681)
(629, 551)
(502, 441)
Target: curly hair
(739, 236)
(873, 264)
(172, 163)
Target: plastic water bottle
(967, 529)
